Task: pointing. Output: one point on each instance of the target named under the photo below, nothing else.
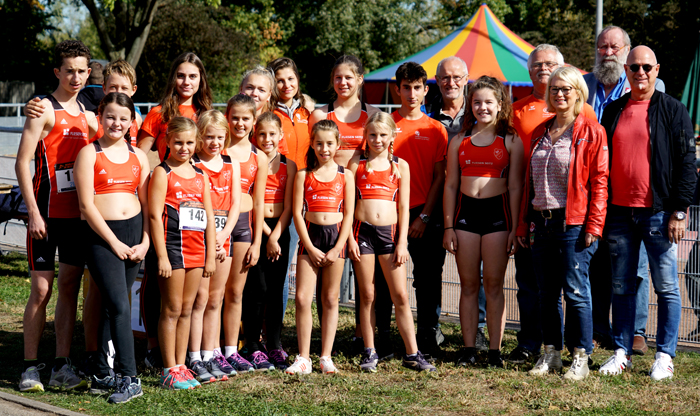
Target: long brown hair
(503, 118)
(281, 63)
(171, 101)
(322, 125)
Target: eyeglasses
(545, 64)
(615, 49)
(564, 90)
(448, 79)
(646, 67)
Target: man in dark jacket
(651, 185)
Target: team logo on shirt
(135, 170)
(337, 188)
(498, 153)
(63, 121)
(227, 175)
(198, 182)
(103, 172)
(283, 179)
(253, 169)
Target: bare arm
(273, 248)
(515, 187)
(141, 249)
(449, 198)
(157, 189)
(209, 232)
(253, 254)
(401, 253)
(348, 218)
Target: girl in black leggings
(111, 178)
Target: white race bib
(220, 218)
(193, 217)
(64, 177)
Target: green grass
(393, 390)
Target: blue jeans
(626, 229)
(640, 319)
(561, 261)
(530, 334)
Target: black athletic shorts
(323, 237)
(374, 239)
(69, 235)
(483, 216)
(242, 231)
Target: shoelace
(577, 363)
(277, 355)
(259, 357)
(239, 359)
(220, 360)
(188, 374)
(172, 377)
(34, 375)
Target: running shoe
(550, 361)
(174, 380)
(662, 367)
(201, 372)
(30, 380)
(224, 366)
(418, 362)
(215, 370)
(579, 367)
(327, 366)
(520, 355)
(495, 359)
(301, 366)
(127, 388)
(103, 385)
(467, 356)
(279, 359)
(616, 364)
(239, 363)
(65, 378)
(369, 360)
(153, 358)
(259, 361)
(190, 376)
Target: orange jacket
(587, 194)
(296, 135)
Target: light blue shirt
(602, 101)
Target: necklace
(269, 164)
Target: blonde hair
(382, 119)
(119, 67)
(266, 73)
(572, 76)
(212, 118)
(180, 125)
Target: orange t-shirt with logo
(154, 126)
(421, 143)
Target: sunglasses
(645, 67)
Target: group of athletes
(345, 177)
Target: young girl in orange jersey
(263, 295)
(482, 195)
(111, 179)
(248, 231)
(326, 194)
(206, 359)
(187, 94)
(382, 180)
(182, 221)
(347, 111)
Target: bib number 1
(64, 177)
(193, 217)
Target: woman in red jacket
(562, 217)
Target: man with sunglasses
(607, 83)
(651, 184)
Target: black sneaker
(495, 360)
(369, 361)
(153, 358)
(520, 355)
(278, 358)
(482, 343)
(467, 356)
(103, 385)
(385, 349)
(127, 389)
(418, 362)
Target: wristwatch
(425, 218)
(679, 215)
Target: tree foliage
(21, 24)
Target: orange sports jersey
(421, 143)
(133, 133)
(184, 217)
(490, 161)
(154, 126)
(296, 135)
(351, 134)
(219, 182)
(324, 196)
(376, 184)
(530, 112)
(53, 183)
(276, 183)
(248, 170)
(112, 178)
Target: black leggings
(263, 294)
(149, 299)
(114, 278)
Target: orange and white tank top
(490, 161)
(220, 184)
(111, 178)
(376, 184)
(276, 183)
(53, 183)
(185, 196)
(324, 196)
(351, 134)
(248, 170)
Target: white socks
(207, 355)
(230, 350)
(194, 356)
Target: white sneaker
(662, 367)
(616, 364)
(550, 361)
(30, 380)
(301, 366)
(327, 366)
(66, 378)
(579, 367)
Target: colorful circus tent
(484, 43)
